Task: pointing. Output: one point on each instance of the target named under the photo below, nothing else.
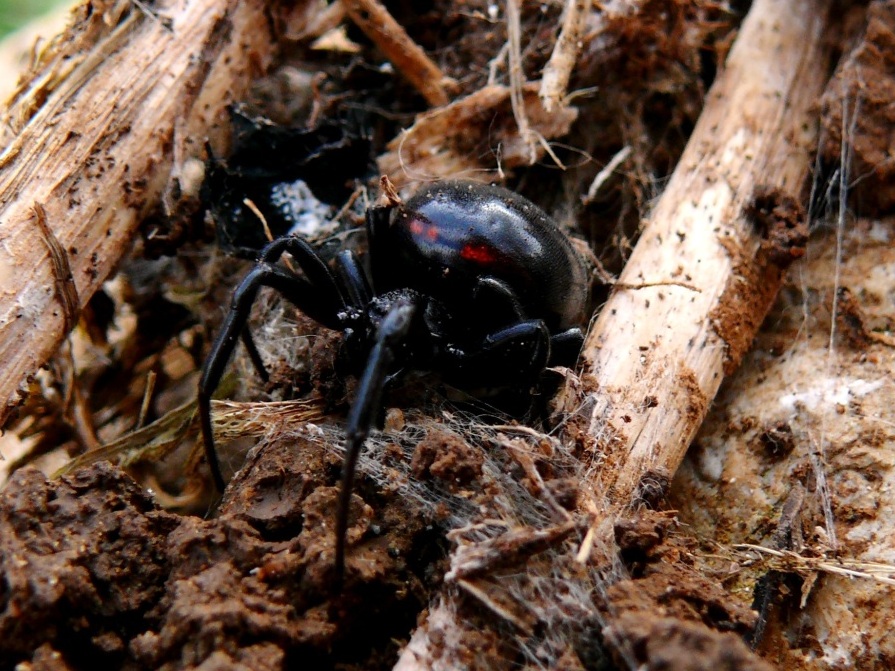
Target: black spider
(469, 280)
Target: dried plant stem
(656, 356)
(517, 77)
(90, 143)
(406, 55)
(565, 54)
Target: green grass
(16, 13)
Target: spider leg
(515, 354)
(317, 272)
(314, 268)
(377, 220)
(565, 347)
(254, 355)
(353, 279)
(309, 297)
(391, 332)
(498, 300)
(495, 295)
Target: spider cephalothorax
(466, 279)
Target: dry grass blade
(787, 561)
(231, 420)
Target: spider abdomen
(450, 235)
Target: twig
(656, 356)
(517, 78)
(512, 547)
(406, 55)
(555, 78)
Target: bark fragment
(81, 146)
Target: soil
(466, 524)
(669, 608)
(96, 574)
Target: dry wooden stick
(565, 54)
(657, 354)
(98, 133)
(517, 77)
(410, 59)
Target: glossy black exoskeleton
(466, 279)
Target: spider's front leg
(522, 345)
(317, 295)
(516, 354)
(392, 332)
(565, 347)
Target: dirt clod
(82, 560)
(669, 615)
(658, 643)
(783, 224)
(95, 572)
(447, 457)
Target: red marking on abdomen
(482, 254)
(418, 228)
